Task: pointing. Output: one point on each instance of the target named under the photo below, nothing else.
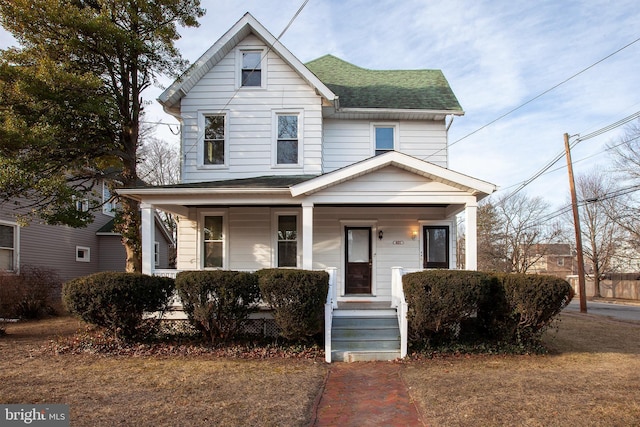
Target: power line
(545, 92)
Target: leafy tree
(97, 57)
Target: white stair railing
(399, 302)
(330, 304)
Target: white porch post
(471, 237)
(148, 237)
(307, 236)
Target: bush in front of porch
(118, 301)
(453, 307)
(218, 302)
(297, 298)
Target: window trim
(16, 245)
(202, 115)
(396, 141)
(86, 250)
(274, 149)
(263, 67)
(275, 215)
(225, 238)
(156, 254)
(108, 205)
(451, 243)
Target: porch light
(380, 235)
(414, 234)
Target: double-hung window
(213, 238)
(214, 139)
(436, 246)
(7, 247)
(108, 203)
(251, 72)
(287, 255)
(287, 141)
(384, 138)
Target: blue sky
(496, 55)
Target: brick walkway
(366, 394)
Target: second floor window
(287, 143)
(384, 139)
(251, 69)
(214, 140)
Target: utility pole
(576, 222)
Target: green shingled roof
(391, 89)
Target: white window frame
(274, 137)
(274, 244)
(263, 67)
(202, 115)
(108, 206)
(396, 135)
(16, 245)
(225, 238)
(85, 250)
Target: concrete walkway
(366, 394)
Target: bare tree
(513, 233)
(603, 238)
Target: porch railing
(399, 302)
(330, 304)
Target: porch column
(307, 236)
(148, 237)
(471, 237)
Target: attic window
(251, 68)
(384, 138)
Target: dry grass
(153, 391)
(591, 378)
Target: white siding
(350, 141)
(250, 114)
(187, 257)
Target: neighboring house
(71, 252)
(323, 165)
(556, 259)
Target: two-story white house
(323, 165)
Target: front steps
(364, 332)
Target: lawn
(591, 377)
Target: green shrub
(533, 302)
(297, 298)
(218, 303)
(440, 300)
(31, 294)
(118, 301)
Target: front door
(358, 260)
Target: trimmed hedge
(118, 301)
(439, 300)
(217, 302)
(297, 298)
(445, 305)
(533, 302)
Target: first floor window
(214, 140)
(287, 144)
(287, 241)
(213, 242)
(436, 246)
(156, 254)
(83, 254)
(7, 248)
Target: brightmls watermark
(54, 415)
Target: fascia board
(227, 42)
(397, 159)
